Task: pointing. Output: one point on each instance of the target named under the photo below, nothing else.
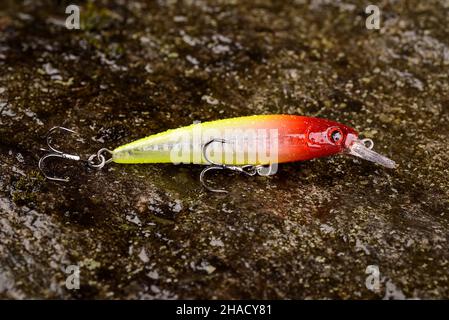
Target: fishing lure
(252, 145)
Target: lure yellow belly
(185, 144)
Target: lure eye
(335, 135)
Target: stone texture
(150, 231)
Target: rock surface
(317, 229)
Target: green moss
(27, 187)
(94, 18)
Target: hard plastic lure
(251, 145)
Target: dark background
(150, 231)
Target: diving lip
(358, 149)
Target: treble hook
(249, 170)
(54, 153)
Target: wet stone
(317, 229)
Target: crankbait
(251, 145)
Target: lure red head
(304, 138)
(322, 137)
(325, 137)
